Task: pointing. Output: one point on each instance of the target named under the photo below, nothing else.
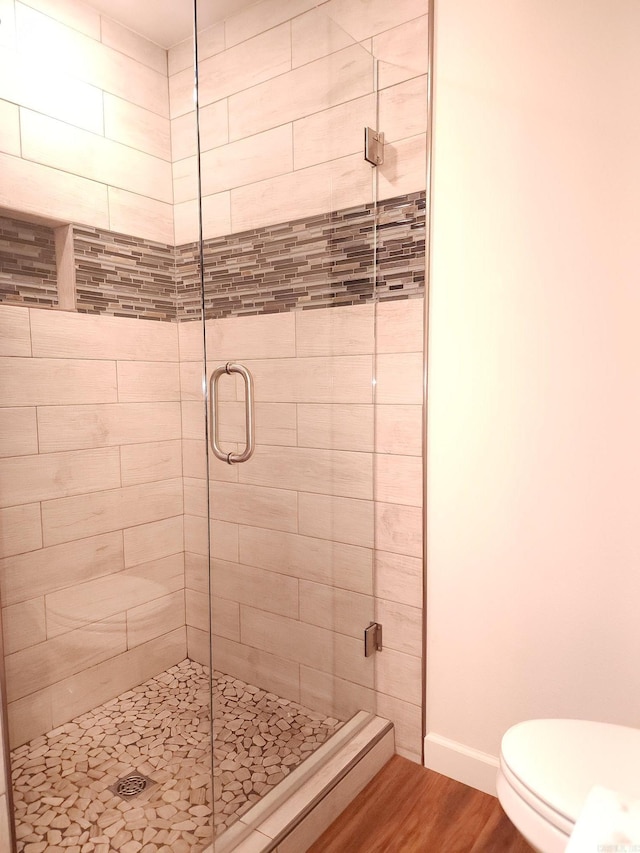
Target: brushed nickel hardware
(250, 441)
(373, 146)
(372, 639)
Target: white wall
(534, 378)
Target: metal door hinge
(373, 146)
(372, 639)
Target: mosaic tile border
(27, 264)
(318, 262)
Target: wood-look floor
(408, 809)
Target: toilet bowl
(547, 768)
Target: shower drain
(132, 785)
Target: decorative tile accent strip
(124, 276)
(161, 729)
(27, 264)
(318, 262)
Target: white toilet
(547, 768)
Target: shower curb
(321, 789)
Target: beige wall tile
(154, 619)
(261, 16)
(22, 82)
(306, 644)
(399, 429)
(18, 432)
(214, 124)
(29, 717)
(403, 109)
(340, 427)
(341, 183)
(400, 326)
(332, 133)
(399, 578)
(190, 341)
(79, 152)
(15, 334)
(197, 612)
(194, 461)
(25, 479)
(148, 381)
(185, 179)
(402, 626)
(338, 379)
(216, 218)
(245, 65)
(398, 529)
(103, 597)
(263, 507)
(275, 423)
(20, 530)
(336, 697)
(141, 49)
(315, 35)
(32, 188)
(221, 471)
(83, 58)
(23, 625)
(404, 168)
(224, 540)
(181, 93)
(9, 128)
(238, 338)
(191, 382)
(47, 663)
(46, 570)
(37, 382)
(328, 472)
(137, 128)
(399, 675)
(198, 646)
(402, 52)
(339, 331)
(398, 479)
(183, 136)
(138, 216)
(225, 619)
(153, 541)
(195, 497)
(254, 587)
(335, 609)
(329, 81)
(73, 518)
(407, 724)
(196, 573)
(399, 379)
(193, 429)
(5, 833)
(146, 463)
(196, 535)
(180, 56)
(67, 335)
(329, 562)
(379, 15)
(339, 519)
(78, 427)
(72, 13)
(258, 667)
(248, 160)
(103, 682)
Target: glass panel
(109, 721)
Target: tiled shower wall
(84, 120)
(320, 531)
(91, 506)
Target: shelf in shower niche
(294, 814)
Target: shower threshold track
(63, 780)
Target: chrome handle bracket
(250, 443)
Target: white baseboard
(460, 762)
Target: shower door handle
(250, 442)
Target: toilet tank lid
(559, 761)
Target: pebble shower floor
(161, 729)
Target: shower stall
(211, 408)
